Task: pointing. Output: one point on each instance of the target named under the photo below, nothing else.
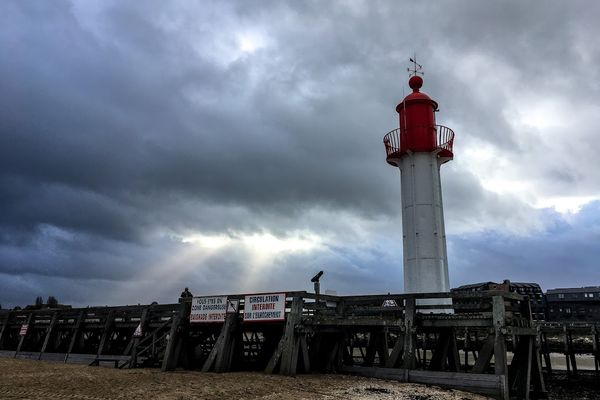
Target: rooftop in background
(506, 284)
(584, 289)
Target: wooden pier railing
(480, 342)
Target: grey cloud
(123, 123)
(562, 256)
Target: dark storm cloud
(125, 126)
(104, 125)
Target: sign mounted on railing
(138, 331)
(23, 330)
(389, 303)
(264, 307)
(208, 309)
(233, 306)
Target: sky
(236, 147)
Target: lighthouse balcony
(401, 141)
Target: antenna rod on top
(404, 113)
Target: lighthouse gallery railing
(444, 139)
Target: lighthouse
(419, 147)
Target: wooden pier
(484, 342)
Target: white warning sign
(208, 309)
(389, 303)
(138, 331)
(264, 307)
(233, 306)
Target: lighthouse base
(428, 276)
(435, 306)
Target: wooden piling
(48, 334)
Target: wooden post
(289, 354)
(440, 353)
(329, 351)
(106, 332)
(304, 353)
(384, 348)
(569, 353)
(48, 334)
(342, 351)
(171, 356)
(286, 353)
(499, 319)
(466, 349)
(485, 355)
(566, 349)
(533, 367)
(520, 367)
(453, 356)
(425, 345)
(3, 330)
(76, 331)
(572, 353)
(135, 341)
(372, 346)
(275, 358)
(153, 347)
(537, 377)
(595, 349)
(546, 353)
(446, 352)
(167, 364)
(409, 336)
(395, 357)
(22, 339)
(225, 344)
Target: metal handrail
(444, 138)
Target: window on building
(561, 296)
(568, 310)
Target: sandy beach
(25, 379)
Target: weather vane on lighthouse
(416, 67)
(419, 147)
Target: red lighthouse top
(415, 82)
(418, 131)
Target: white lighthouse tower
(419, 148)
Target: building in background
(573, 304)
(532, 290)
